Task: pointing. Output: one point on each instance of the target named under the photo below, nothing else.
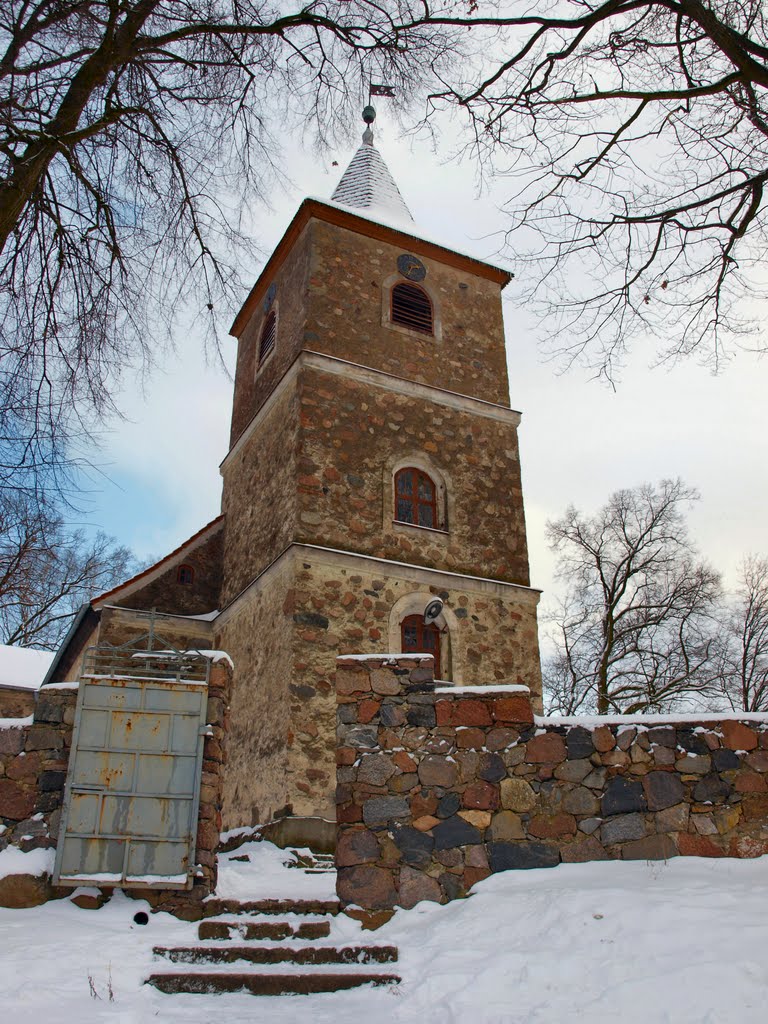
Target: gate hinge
(206, 730)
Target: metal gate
(133, 782)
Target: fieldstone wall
(438, 789)
(354, 430)
(166, 594)
(350, 270)
(331, 284)
(253, 383)
(33, 768)
(259, 499)
(261, 773)
(314, 563)
(16, 701)
(119, 626)
(284, 636)
(115, 625)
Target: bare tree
(133, 133)
(743, 642)
(634, 630)
(47, 572)
(635, 136)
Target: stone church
(373, 467)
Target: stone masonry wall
(349, 271)
(168, 595)
(438, 789)
(253, 383)
(284, 635)
(259, 496)
(339, 605)
(33, 768)
(16, 701)
(352, 434)
(257, 634)
(119, 626)
(330, 293)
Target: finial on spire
(367, 183)
(369, 116)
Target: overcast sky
(579, 440)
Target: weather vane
(369, 112)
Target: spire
(367, 183)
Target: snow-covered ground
(682, 942)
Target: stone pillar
(414, 800)
(33, 769)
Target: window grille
(411, 307)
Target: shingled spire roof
(367, 183)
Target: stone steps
(305, 969)
(313, 955)
(266, 984)
(273, 931)
(216, 907)
(313, 864)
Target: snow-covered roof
(23, 667)
(367, 184)
(398, 221)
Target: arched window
(415, 498)
(268, 335)
(418, 637)
(185, 575)
(411, 307)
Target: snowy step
(314, 860)
(275, 931)
(215, 907)
(266, 984)
(308, 955)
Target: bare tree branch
(743, 642)
(132, 135)
(633, 134)
(48, 571)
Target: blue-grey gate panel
(133, 784)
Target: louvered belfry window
(415, 498)
(412, 308)
(268, 335)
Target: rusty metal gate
(133, 782)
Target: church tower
(373, 467)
